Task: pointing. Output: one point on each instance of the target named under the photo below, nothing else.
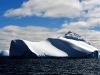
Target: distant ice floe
(4, 53)
(99, 55)
(70, 45)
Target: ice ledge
(94, 54)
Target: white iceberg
(4, 53)
(70, 45)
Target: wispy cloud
(89, 23)
(91, 8)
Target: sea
(49, 66)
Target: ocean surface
(49, 66)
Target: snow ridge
(75, 36)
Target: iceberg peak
(75, 36)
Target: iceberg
(69, 45)
(4, 53)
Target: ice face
(4, 53)
(99, 55)
(73, 35)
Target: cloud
(47, 8)
(89, 23)
(90, 4)
(57, 9)
(92, 8)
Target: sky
(36, 20)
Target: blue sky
(26, 21)
(40, 19)
(47, 21)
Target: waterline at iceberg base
(69, 45)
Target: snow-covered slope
(71, 45)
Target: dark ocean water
(49, 66)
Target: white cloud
(94, 13)
(89, 23)
(47, 8)
(90, 4)
(57, 9)
(92, 8)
